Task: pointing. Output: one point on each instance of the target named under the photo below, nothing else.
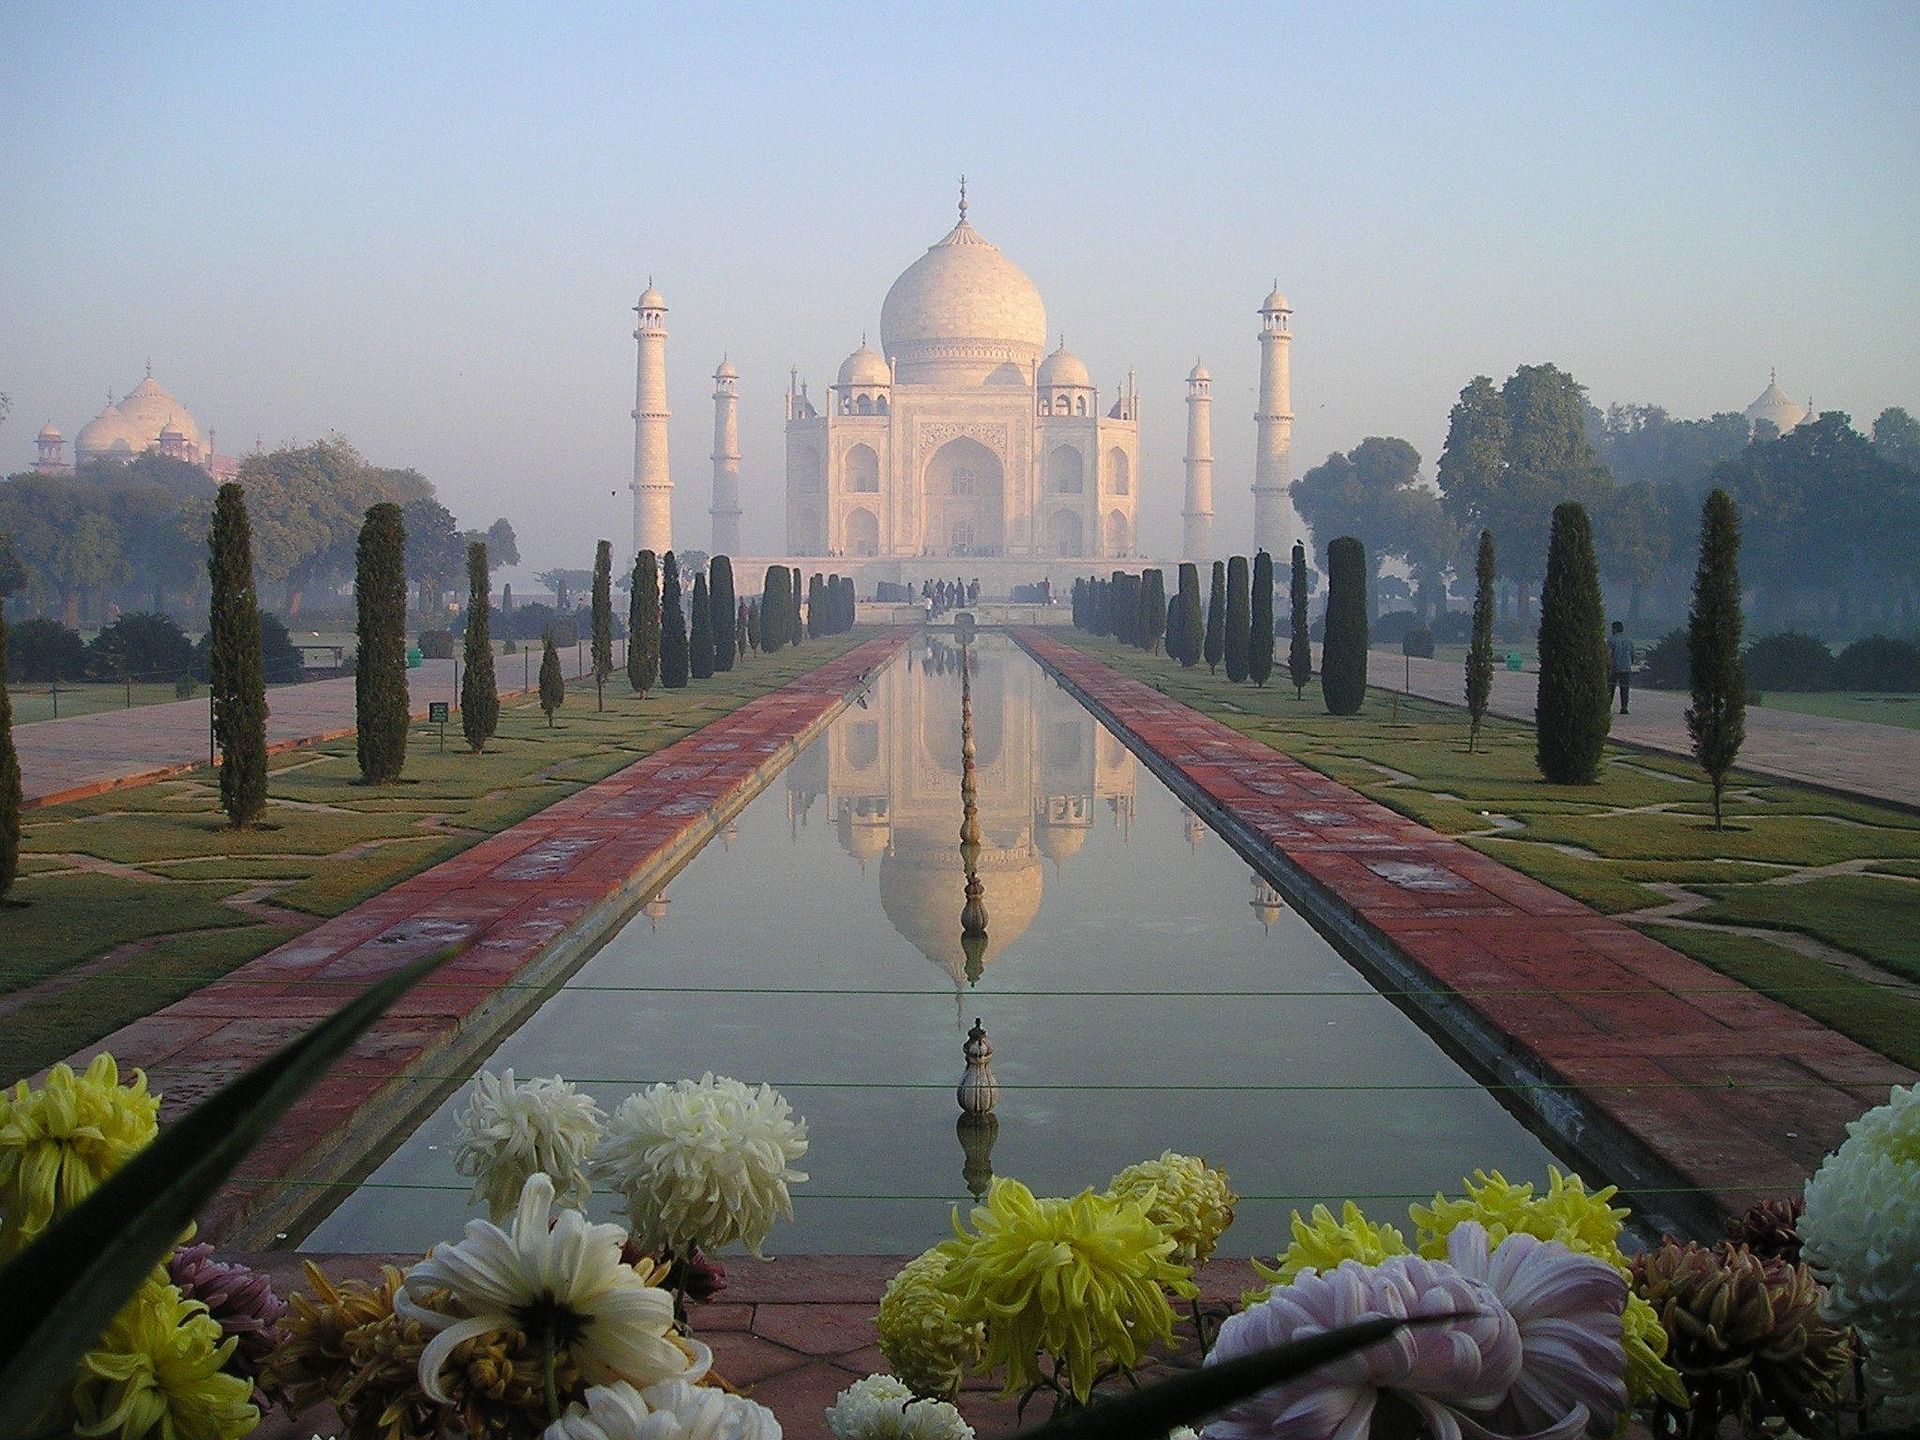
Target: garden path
(1856, 756)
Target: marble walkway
(1714, 1094)
(1856, 756)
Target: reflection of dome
(864, 367)
(1059, 842)
(961, 311)
(1063, 370)
(865, 837)
(922, 891)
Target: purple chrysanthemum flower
(242, 1303)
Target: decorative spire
(963, 199)
(149, 367)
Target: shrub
(1343, 658)
(1214, 641)
(643, 624)
(1717, 718)
(1417, 642)
(1664, 665)
(602, 614)
(1260, 638)
(553, 686)
(673, 626)
(436, 644)
(239, 698)
(44, 650)
(1878, 663)
(1570, 715)
(1153, 610)
(1480, 641)
(142, 646)
(1454, 627)
(479, 694)
(700, 630)
(1186, 632)
(280, 659)
(1300, 627)
(1392, 627)
(1239, 619)
(720, 599)
(771, 615)
(1788, 661)
(380, 700)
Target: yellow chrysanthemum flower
(1583, 1221)
(157, 1373)
(1323, 1244)
(1080, 1280)
(926, 1347)
(1184, 1196)
(59, 1142)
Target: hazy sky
(426, 230)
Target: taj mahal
(962, 438)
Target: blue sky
(425, 229)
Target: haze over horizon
(426, 232)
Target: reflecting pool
(1142, 989)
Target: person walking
(1619, 664)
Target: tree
(742, 629)
(720, 599)
(755, 638)
(10, 795)
(1374, 492)
(563, 583)
(1896, 435)
(239, 692)
(1480, 649)
(1187, 636)
(700, 632)
(1300, 646)
(141, 646)
(1570, 714)
(503, 547)
(380, 702)
(673, 628)
(479, 693)
(1239, 619)
(1343, 654)
(13, 570)
(643, 625)
(770, 617)
(1717, 718)
(796, 629)
(816, 607)
(553, 685)
(1153, 610)
(1215, 643)
(436, 551)
(1260, 636)
(602, 621)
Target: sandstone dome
(963, 314)
(864, 367)
(150, 409)
(1063, 370)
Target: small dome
(1274, 301)
(726, 371)
(1063, 370)
(1199, 372)
(652, 299)
(106, 434)
(864, 367)
(47, 432)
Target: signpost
(437, 715)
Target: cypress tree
(1717, 718)
(1260, 641)
(479, 695)
(506, 599)
(1480, 648)
(673, 628)
(643, 625)
(1215, 643)
(1570, 712)
(380, 703)
(238, 685)
(770, 616)
(742, 630)
(1343, 656)
(1300, 646)
(10, 795)
(1239, 619)
(720, 601)
(602, 621)
(796, 628)
(1192, 627)
(553, 686)
(700, 631)
(753, 625)
(816, 606)
(1153, 610)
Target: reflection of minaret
(1198, 542)
(652, 477)
(655, 910)
(726, 459)
(1273, 457)
(1194, 828)
(1266, 902)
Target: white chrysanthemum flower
(551, 1275)
(669, 1410)
(703, 1163)
(512, 1130)
(1861, 1236)
(881, 1407)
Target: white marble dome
(108, 436)
(150, 409)
(1063, 370)
(864, 367)
(963, 314)
(1776, 407)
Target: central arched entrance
(963, 500)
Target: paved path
(1634, 1055)
(85, 754)
(527, 903)
(1877, 761)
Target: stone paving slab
(1659, 1047)
(792, 1333)
(523, 900)
(1856, 757)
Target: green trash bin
(413, 657)
(1513, 660)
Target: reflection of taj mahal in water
(1046, 774)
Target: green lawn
(35, 700)
(1645, 823)
(1902, 710)
(327, 843)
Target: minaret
(1198, 543)
(726, 459)
(652, 479)
(1273, 459)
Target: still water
(1142, 989)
